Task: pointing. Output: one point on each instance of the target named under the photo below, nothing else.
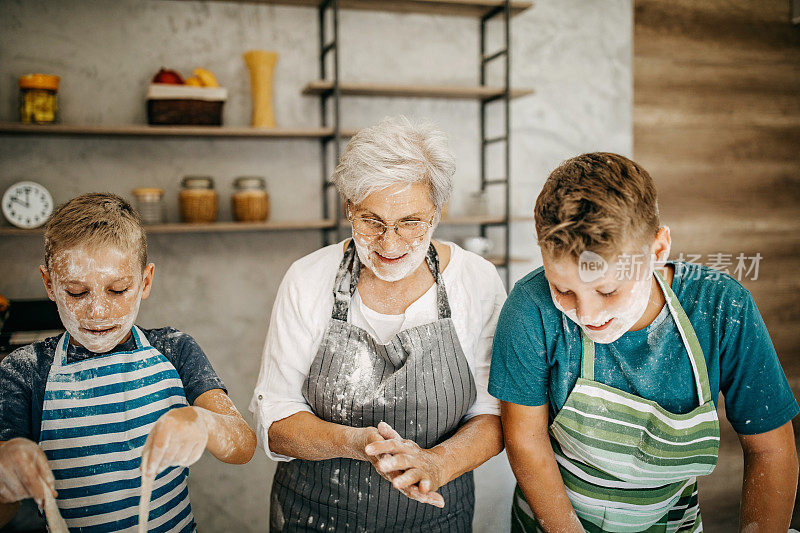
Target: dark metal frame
(332, 46)
(505, 98)
(326, 47)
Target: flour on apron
(627, 463)
(419, 383)
(96, 416)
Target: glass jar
(250, 200)
(150, 205)
(197, 199)
(38, 98)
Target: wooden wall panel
(717, 124)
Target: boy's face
(98, 291)
(606, 303)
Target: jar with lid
(197, 199)
(150, 205)
(38, 98)
(250, 200)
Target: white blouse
(303, 308)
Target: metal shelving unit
(485, 59)
(332, 89)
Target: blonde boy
(609, 362)
(86, 415)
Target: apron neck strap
(350, 270)
(442, 302)
(62, 348)
(60, 358)
(139, 338)
(688, 335)
(690, 341)
(587, 361)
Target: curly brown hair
(599, 202)
(95, 219)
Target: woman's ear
(661, 246)
(48, 282)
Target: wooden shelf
(481, 219)
(292, 225)
(137, 130)
(214, 227)
(500, 261)
(464, 8)
(320, 87)
(472, 220)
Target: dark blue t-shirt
(536, 358)
(23, 376)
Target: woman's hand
(357, 440)
(414, 471)
(24, 472)
(178, 438)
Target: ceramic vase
(261, 64)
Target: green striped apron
(627, 463)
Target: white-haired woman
(373, 385)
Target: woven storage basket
(250, 206)
(198, 205)
(185, 105)
(184, 113)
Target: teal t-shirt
(536, 358)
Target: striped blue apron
(96, 416)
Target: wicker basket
(184, 113)
(198, 205)
(185, 105)
(250, 206)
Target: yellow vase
(261, 64)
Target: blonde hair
(95, 219)
(396, 151)
(599, 202)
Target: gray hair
(396, 151)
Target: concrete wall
(576, 54)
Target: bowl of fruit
(194, 101)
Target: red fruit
(168, 76)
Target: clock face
(27, 204)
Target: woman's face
(389, 256)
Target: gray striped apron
(627, 463)
(96, 416)
(420, 383)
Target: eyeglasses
(373, 228)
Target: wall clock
(27, 204)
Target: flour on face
(98, 292)
(407, 259)
(389, 256)
(608, 303)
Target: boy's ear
(48, 282)
(661, 246)
(147, 279)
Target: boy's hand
(24, 472)
(178, 438)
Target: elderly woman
(373, 385)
